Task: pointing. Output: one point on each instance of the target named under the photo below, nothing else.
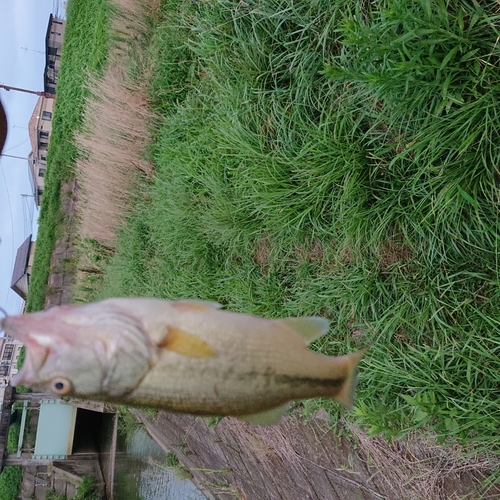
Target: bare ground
(309, 461)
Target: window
(44, 134)
(46, 115)
(43, 157)
(7, 352)
(44, 144)
(41, 172)
(4, 370)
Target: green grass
(13, 437)
(86, 490)
(338, 159)
(85, 48)
(10, 482)
(128, 425)
(11, 477)
(300, 173)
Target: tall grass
(116, 133)
(112, 148)
(10, 482)
(85, 47)
(337, 159)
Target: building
(53, 48)
(39, 129)
(40, 124)
(9, 355)
(22, 268)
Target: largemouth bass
(182, 356)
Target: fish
(187, 356)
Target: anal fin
(266, 417)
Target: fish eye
(60, 386)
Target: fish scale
(186, 356)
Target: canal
(143, 471)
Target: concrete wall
(61, 275)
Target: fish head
(92, 351)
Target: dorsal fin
(309, 328)
(195, 305)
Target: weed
(87, 489)
(213, 421)
(127, 423)
(10, 482)
(172, 462)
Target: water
(141, 473)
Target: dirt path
(234, 460)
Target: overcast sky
(23, 26)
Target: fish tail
(345, 394)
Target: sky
(23, 26)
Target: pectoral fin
(185, 343)
(309, 328)
(268, 417)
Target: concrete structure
(53, 49)
(22, 268)
(9, 355)
(69, 436)
(39, 129)
(56, 429)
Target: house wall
(31, 257)
(43, 131)
(42, 125)
(9, 355)
(55, 37)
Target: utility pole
(48, 95)
(12, 156)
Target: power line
(11, 227)
(14, 147)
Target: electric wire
(11, 226)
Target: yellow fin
(267, 417)
(309, 328)
(345, 396)
(186, 344)
(195, 305)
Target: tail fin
(345, 395)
